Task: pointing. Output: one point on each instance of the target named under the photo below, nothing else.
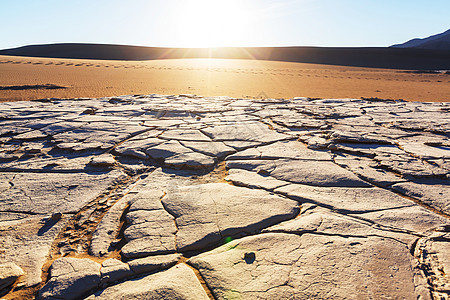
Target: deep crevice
(203, 282)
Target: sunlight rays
(213, 23)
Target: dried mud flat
(187, 197)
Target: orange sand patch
(213, 77)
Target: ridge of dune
(375, 57)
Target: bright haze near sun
(207, 23)
(220, 23)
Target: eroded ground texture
(184, 197)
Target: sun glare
(213, 23)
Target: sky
(216, 23)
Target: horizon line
(180, 47)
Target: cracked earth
(187, 197)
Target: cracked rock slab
(217, 149)
(254, 180)
(322, 221)
(373, 204)
(366, 168)
(315, 173)
(37, 193)
(71, 278)
(27, 244)
(206, 213)
(179, 282)
(428, 152)
(286, 266)
(113, 270)
(140, 181)
(9, 272)
(185, 135)
(251, 131)
(281, 150)
(435, 195)
(108, 229)
(151, 229)
(173, 154)
(153, 263)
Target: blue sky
(203, 23)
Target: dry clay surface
(187, 197)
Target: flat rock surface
(178, 282)
(206, 213)
(71, 278)
(285, 266)
(189, 197)
(9, 272)
(35, 193)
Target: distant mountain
(439, 41)
(374, 57)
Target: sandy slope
(213, 77)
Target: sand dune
(212, 77)
(375, 57)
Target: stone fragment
(91, 138)
(9, 272)
(281, 150)
(104, 160)
(161, 123)
(442, 163)
(318, 143)
(191, 160)
(436, 195)
(153, 263)
(108, 229)
(368, 170)
(71, 278)
(355, 137)
(217, 149)
(173, 154)
(248, 131)
(136, 147)
(114, 270)
(414, 219)
(65, 193)
(370, 149)
(374, 204)
(166, 150)
(254, 180)
(316, 173)
(69, 163)
(298, 121)
(142, 240)
(426, 152)
(184, 135)
(346, 199)
(241, 145)
(145, 199)
(206, 213)
(151, 229)
(179, 282)
(323, 221)
(410, 166)
(27, 244)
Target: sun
(213, 23)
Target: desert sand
(213, 77)
(183, 197)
